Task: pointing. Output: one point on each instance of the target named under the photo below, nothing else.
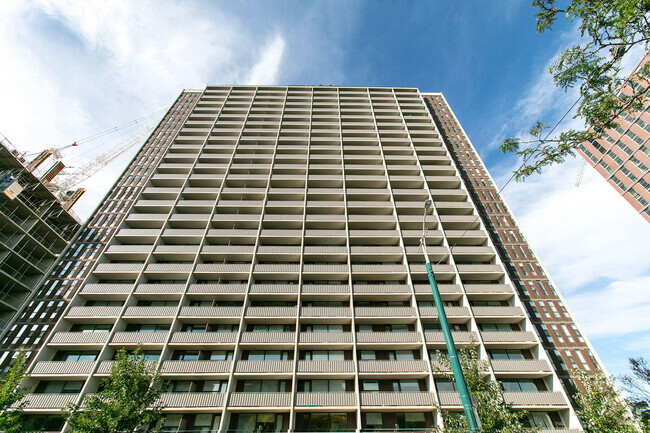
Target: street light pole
(465, 399)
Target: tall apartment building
(271, 265)
(43, 307)
(622, 154)
(565, 345)
(35, 227)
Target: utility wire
(500, 190)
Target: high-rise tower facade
(622, 154)
(271, 265)
(565, 344)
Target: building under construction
(36, 224)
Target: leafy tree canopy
(495, 415)
(128, 399)
(608, 30)
(12, 396)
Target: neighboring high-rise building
(44, 306)
(35, 227)
(622, 154)
(565, 345)
(271, 264)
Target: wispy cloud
(620, 308)
(76, 68)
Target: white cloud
(72, 69)
(581, 234)
(620, 308)
(266, 70)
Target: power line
(500, 190)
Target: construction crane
(581, 172)
(84, 172)
(61, 183)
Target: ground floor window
(322, 421)
(257, 422)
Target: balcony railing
(248, 366)
(203, 337)
(325, 337)
(388, 337)
(326, 399)
(191, 399)
(398, 366)
(260, 399)
(326, 367)
(426, 399)
(268, 337)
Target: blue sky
(71, 69)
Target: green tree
(637, 386)
(608, 30)
(495, 414)
(602, 409)
(12, 396)
(128, 399)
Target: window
(495, 327)
(99, 303)
(268, 355)
(332, 385)
(374, 421)
(446, 386)
(324, 355)
(406, 385)
(262, 327)
(216, 386)
(186, 355)
(147, 327)
(220, 355)
(90, 327)
(322, 421)
(370, 385)
(264, 386)
(251, 422)
(394, 355)
(75, 356)
(367, 354)
(60, 387)
(520, 385)
(411, 420)
(323, 328)
(506, 354)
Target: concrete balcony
(204, 289)
(150, 312)
(79, 339)
(203, 338)
(490, 291)
(178, 271)
(62, 368)
(260, 399)
(447, 291)
(191, 399)
(135, 338)
(385, 399)
(271, 311)
(276, 249)
(275, 338)
(214, 312)
(325, 337)
(466, 237)
(379, 269)
(535, 399)
(274, 288)
(384, 312)
(93, 312)
(214, 269)
(49, 401)
(380, 289)
(112, 289)
(325, 233)
(495, 312)
(395, 367)
(231, 217)
(509, 339)
(388, 337)
(171, 367)
(481, 272)
(342, 367)
(326, 270)
(443, 272)
(247, 366)
(175, 250)
(452, 312)
(326, 399)
(325, 312)
(517, 366)
(449, 399)
(325, 288)
(277, 268)
(159, 289)
(127, 270)
(460, 337)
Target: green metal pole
(465, 398)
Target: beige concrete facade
(271, 265)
